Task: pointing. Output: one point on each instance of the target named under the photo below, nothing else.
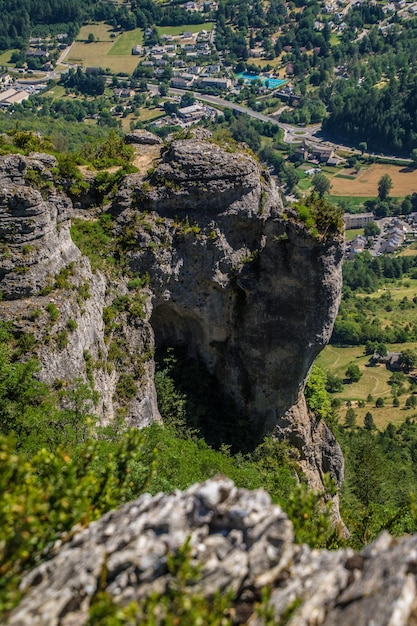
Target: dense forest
(384, 118)
(375, 318)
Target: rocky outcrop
(56, 303)
(142, 137)
(239, 543)
(240, 283)
(232, 277)
(34, 226)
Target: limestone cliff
(239, 282)
(240, 543)
(55, 302)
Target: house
(256, 53)
(323, 154)
(4, 95)
(356, 246)
(183, 81)
(393, 361)
(137, 50)
(37, 52)
(213, 81)
(393, 244)
(192, 113)
(357, 220)
(303, 150)
(212, 69)
(124, 92)
(15, 98)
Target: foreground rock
(242, 543)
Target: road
(292, 134)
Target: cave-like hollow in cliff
(179, 338)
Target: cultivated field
(366, 182)
(125, 43)
(98, 54)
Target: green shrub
(126, 388)
(53, 311)
(72, 325)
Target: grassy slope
(374, 381)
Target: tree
(411, 402)
(334, 384)
(368, 421)
(187, 100)
(350, 418)
(372, 229)
(321, 184)
(290, 176)
(413, 156)
(91, 38)
(316, 395)
(384, 186)
(353, 373)
(363, 146)
(379, 403)
(408, 360)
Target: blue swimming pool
(272, 83)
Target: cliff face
(240, 284)
(240, 543)
(55, 302)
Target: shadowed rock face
(240, 284)
(240, 543)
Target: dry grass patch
(145, 157)
(97, 55)
(366, 182)
(101, 32)
(382, 415)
